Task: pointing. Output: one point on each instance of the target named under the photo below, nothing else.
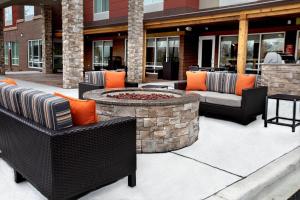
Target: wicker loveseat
(96, 80)
(63, 161)
(220, 101)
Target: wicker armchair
(66, 164)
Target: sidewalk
(225, 156)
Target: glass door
(206, 52)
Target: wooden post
(243, 44)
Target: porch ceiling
(5, 3)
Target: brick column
(73, 44)
(2, 67)
(47, 39)
(135, 40)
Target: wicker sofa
(64, 163)
(221, 102)
(96, 80)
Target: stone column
(47, 39)
(73, 42)
(2, 67)
(135, 40)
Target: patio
(225, 156)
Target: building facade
(210, 33)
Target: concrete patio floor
(226, 155)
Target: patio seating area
(226, 156)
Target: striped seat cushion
(229, 83)
(9, 96)
(214, 81)
(2, 85)
(46, 109)
(95, 77)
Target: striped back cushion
(95, 77)
(10, 97)
(214, 81)
(46, 109)
(229, 83)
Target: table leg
(266, 112)
(294, 116)
(277, 110)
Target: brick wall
(30, 30)
(118, 8)
(171, 4)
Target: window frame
(13, 47)
(6, 21)
(40, 42)
(100, 15)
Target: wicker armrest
(254, 100)
(131, 84)
(180, 85)
(85, 87)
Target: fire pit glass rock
(167, 120)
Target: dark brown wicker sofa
(64, 163)
(221, 102)
(95, 80)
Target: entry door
(206, 56)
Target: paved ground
(225, 154)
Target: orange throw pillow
(9, 81)
(83, 111)
(244, 82)
(196, 81)
(114, 79)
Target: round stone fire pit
(166, 119)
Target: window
(8, 16)
(28, 13)
(298, 46)
(258, 47)
(160, 50)
(13, 49)
(6, 52)
(153, 5)
(147, 2)
(272, 42)
(101, 9)
(35, 54)
(228, 50)
(102, 53)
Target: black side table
(275, 120)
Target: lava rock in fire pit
(134, 96)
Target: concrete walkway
(229, 161)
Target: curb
(278, 180)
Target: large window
(258, 46)
(11, 48)
(28, 13)
(8, 16)
(101, 9)
(102, 53)
(35, 54)
(160, 50)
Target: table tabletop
(285, 97)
